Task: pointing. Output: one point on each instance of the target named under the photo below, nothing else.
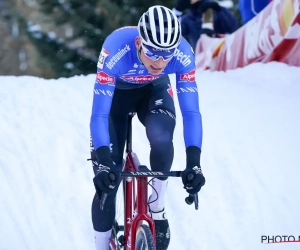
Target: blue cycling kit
(119, 66)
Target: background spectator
(182, 5)
(52, 39)
(207, 17)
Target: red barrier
(273, 35)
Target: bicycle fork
(134, 218)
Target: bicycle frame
(135, 184)
(136, 196)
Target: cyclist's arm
(187, 92)
(103, 94)
(112, 61)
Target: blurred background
(63, 38)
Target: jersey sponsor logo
(104, 78)
(103, 92)
(131, 72)
(184, 59)
(187, 90)
(159, 102)
(139, 79)
(190, 77)
(112, 62)
(163, 111)
(141, 66)
(103, 54)
(170, 91)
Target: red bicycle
(137, 232)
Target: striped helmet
(160, 28)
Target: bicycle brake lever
(102, 200)
(112, 177)
(196, 201)
(192, 197)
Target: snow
(250, 159)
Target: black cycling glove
(192, 176)
(107, 178)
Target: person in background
(205, 17)
(250, 8)
(182, 5)
(133, 76)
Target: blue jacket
(250, 8)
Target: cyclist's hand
(106, 180)
(192, 176)
(193, 179)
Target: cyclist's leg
(124, 101)
(157, 113)
(103, 219)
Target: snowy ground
(250, 158)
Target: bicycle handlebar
(192, 198)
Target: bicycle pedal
(121, 240)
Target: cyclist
(132, 76)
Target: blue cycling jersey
(119, 66)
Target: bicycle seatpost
(112, 177)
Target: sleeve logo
(184, 59)
(139, 79)
(188, 76)
(104, 53)
(104, 78)
(114, 59)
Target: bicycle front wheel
(144, 239)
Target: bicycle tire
(119, 218)
(144, 239)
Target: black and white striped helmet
(160, 28)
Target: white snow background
(250, 158)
